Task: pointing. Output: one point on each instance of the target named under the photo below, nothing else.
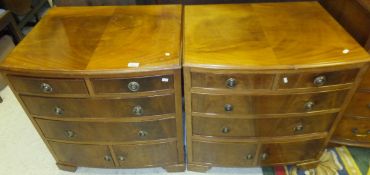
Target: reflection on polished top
(101, 38)
(266, 35)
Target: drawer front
(132, 156)
(83, 155)
(291, 152)
(232, 81)
(96, 107)
(317, 79)
(48, 86)
(272, 127)
(365, 83)
(103, 131)
(360, 105)
(224, 154)
(267, 104)
(355, 129)
(120, 85)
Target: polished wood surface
(360, 105)
(355, 129)
(99, 107)
(108, 131)
(267, 104)
(153, 83)
(58, 86)
(81, 39)
(148, 154)
(365, 84)
(83, 155)
(266, 127)
(272, 77)
(266, 36)
(290, 152)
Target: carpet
(335, 161)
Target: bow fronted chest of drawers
(102, 85)
(266, 83)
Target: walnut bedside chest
(265, 83)
(102, 85)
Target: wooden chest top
(266, 35)
(124, 38)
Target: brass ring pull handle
(355, 133)
(319, 80)
(69, 133)
(121, 158)
(228, 107)
(230, 83)
(58, 110)
(308, 106)
(264, 156)
(133, 86)
(46, 88)
(107, 158)
(225, 130)
(298, 128)
(138, 110)
(142, 133)
(249, 157)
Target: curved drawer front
(232, 81)
(83, 155)
(355, 129)
(267, 104)
(224, 154)
(35, 85)
(132, 156)
(111, 131)
(131, 85)
(360, 105)
(290, 152)
(99, 107)
(272, 127)
(316, 79)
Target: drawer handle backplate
(107, 158)
(308, 106)
(142, 133)
(58, 110)
(357, 134)
(228, 107)
(249, 157)
(69, 133)
(121, 158)
(133, 86)
(231, 83)
(138, 110)
(264, 156)
(319, 80)
(225, 130)
(46, 88)
(298, 128)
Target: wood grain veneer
(265, 83)
(102, 85)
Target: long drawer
(353, 129)
(244, 154)
(100, 107)
(108, 131)
(266, 127)
(267, 104)
(128, 156)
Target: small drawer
(232, 81)
(316, 79)
(100, 107)
(360, 105)
(48, 85)
(267, 104)
(134, 156)
(354, 129)
(108, 131)
(271, 127)
(83, 155)
(120, 85)
(290, 152)
(224, 154)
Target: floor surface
(22, 151)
